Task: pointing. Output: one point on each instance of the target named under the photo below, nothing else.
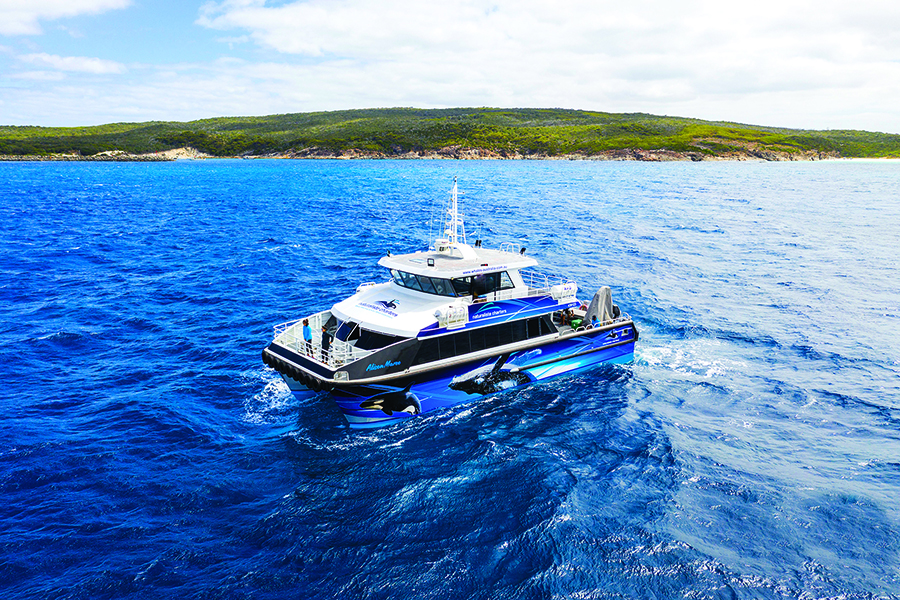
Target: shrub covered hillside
(459, 132)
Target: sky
(819, 64)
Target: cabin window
(428, 352)
(480, 285)
(519, 330)
(447, 346)
(463, 344)
(442, 287)
(421, 283)
(492, 336)
(547, 325)
(410, 281)
(347, 331)
(372, 340)
(477, 341)
(426, 284)
(482, 338)
(462, 286)
(534, 328)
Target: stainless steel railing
(290, 335)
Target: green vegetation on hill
(396, 131)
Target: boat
(452, 323)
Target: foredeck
(290, 335)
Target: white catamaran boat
(455, 322)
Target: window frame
(477, 339)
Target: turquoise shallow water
(751, 450)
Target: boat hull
(377, 405)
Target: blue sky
(807, 64)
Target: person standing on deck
(326, 344)
(307, 337)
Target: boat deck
(290, 335)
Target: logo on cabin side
(385, 307)
(491, 309)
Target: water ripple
(750, 451)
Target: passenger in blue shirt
(594, 321)
(307, 336)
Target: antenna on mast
(455, 221)
(453, 240)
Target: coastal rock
(181, 154)
(113, 156)
(707, 149)
(457, 152)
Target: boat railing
(340, 353)
(290, 335)
(540, 283)
(536, 282)
(622, 318)
(282, 327)
(503, 295)
(509, 247)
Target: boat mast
(454, 241)
(455, 222)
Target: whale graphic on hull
(394, 401)
(480, 383)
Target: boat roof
(459, 264)
(391, 309)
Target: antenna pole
(455, 222)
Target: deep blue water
(752, 449)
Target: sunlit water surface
(751, 450)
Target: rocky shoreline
(79, 158)
(746, 153)
(110, 156)
(637, 154)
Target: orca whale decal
(394, 401)
(479, 382)
(389, 304)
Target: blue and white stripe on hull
(369, 406)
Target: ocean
(751, 450)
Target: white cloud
(21, 17)
(78, 64)
(792, 63)
(231, 87)
(39, 75)
(601, 54)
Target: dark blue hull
(374, 405)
